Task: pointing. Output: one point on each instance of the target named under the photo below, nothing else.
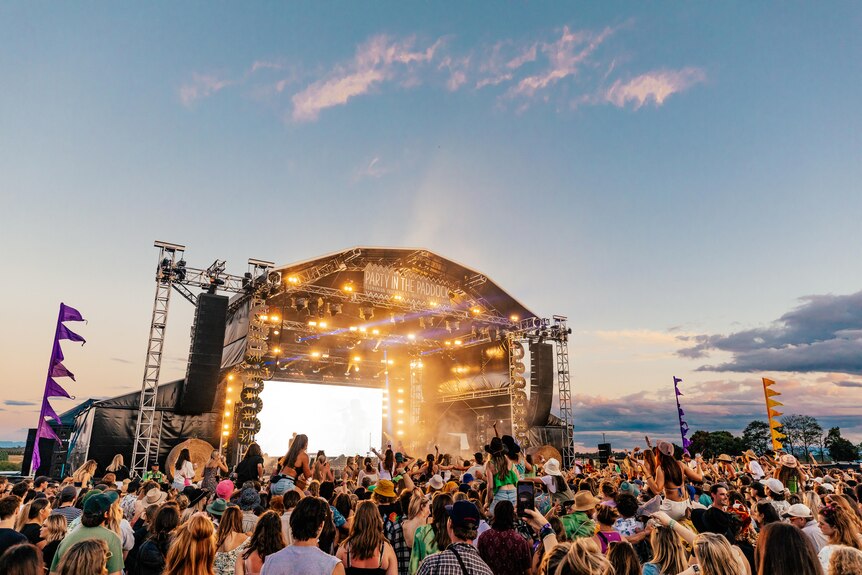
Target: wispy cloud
(374, 169)
(202, 86)
(656, 87)
(265, 65)
(16, 403)
(121, 360)
(376, 61)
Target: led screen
(339, 419)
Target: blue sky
(654, 172)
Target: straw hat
(788, 460)
(725, 458)
(155, 496)
(584, 501)
(750, 453)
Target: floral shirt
(225, 561)
(505, 552)
(628, 526)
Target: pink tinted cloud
(376, 61)
(202, 86)
(656, 86)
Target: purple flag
(59, 370)
(683, 426)
(53, 389)
(68, 313)
(43, 431)
(58, 351)
(64, 332)
(49, 411)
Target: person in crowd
(350, 470)
(385, 463)
(304, 557)
(584, 558)
(623, 558)
(193, 549)
(86, 557)
(839, 527)
(52, 533)
(152, 555)
(775, 493)
(606, 516)
(37, 511)
(790, 474)
(845, 561)
(668, 477)
(460, 556)
(752, 465)
(668, 553)
(83, 476)
(800, 516)
(367, 474)
(434, 537)
(764, 514)
(96, 510)
(196, 501)
(154, 474)
(500, 475)
(22, 559)
(783, 548)
(579, 521)
(418, 511)
(266, 540)
(231, 541)
(251, 466)
(216, 464)
(504, 550)
(117, 467)
(66, 504)
(366, 550)
(555, 483)
(294, 468)
(290, 500)
(719, 494)
(714, 555)
(249, 500)
(184, 471)
(118, 524)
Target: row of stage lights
(399, 410)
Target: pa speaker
(202, 374)
(604, 452)
(541, 383)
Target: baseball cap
(797, 510)
(774, 485)
(463, 514)
(97, 504)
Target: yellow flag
(773, 413)
(776, 445)
(777, 434)
(771, 392)
(767, 382)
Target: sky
(680, 180)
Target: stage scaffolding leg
(146, 446)
(565, 390)
(415, 404)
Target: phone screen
(526, 496)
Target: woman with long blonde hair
(584, 557)
(84, 474)
(193, 549)
(53, 531)
(668, 554)
(366, 547)
(715, 556)
(845, 561)
(117, 467)
(87, 557)
(839, 527)
(418, 511)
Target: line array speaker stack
(202, 374)
(541, 383)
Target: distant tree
(714, 443)
(700, 443)
(803, 432)
(839, 448)
(756, 436)
(4, 456)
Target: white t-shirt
(755, 469)
(477, 471)
(187, 471)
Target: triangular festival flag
(767, 382)
(64, 332)
(68, 313)
(49, 411)
(59, 370)
(53, 389)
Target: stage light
(334, 308)
(476, 311)
(398, 297)
(513, 318)
(391, 362)
(456, 326)
(400, 432)
(263, 317)
(227, 401)
(366, 313)
(312, 324)
(400, 390)
(348, 287)
(447, 342)
(292, 280)
(411, 336)
(400, 411)
(400, 401)
(357, 358)
(226, 426)
(227, 414)
(422, 322)
(458, 342)
(275, 332)
(229, 389)
(276, 350)
(315, 354)
(363, 329)
(322, 325)
(375, 332)
(225, 433)
(274, 318)
(448, 326)
(400, 422)
(300, 304)
(230, 377)
(433, 303)
(353, 328)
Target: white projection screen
(339, 419)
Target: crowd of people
(651, 511)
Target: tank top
(607, 537)
(511, 478)
(379, 570)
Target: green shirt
(577, 525)
(423, 546)
(115, 563)
(156, 476)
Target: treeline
(805, 439)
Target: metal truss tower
(146, 445)
(560, 333)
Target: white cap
(774, 485)
(798, 510)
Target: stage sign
(411, 287)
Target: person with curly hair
(845, 561)
(839, 527)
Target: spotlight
(513, 318)
(293, 280)
(348, 287)
(334, 308)
(300, 303)
(366, 313)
